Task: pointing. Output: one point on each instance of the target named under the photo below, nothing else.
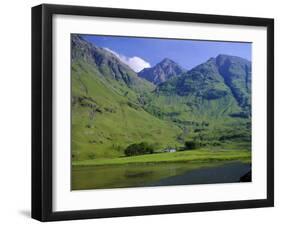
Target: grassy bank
(200, 155)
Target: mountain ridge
(106, 62)
(215, 78)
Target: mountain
(106, 63)
(113, 107)
(211, 102)
(107, 106)
(223, 77)
(162, 71)
(237, 74)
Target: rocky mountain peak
(162, 71)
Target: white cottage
(170, 150)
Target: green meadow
(198, 156)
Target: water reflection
(141, 175)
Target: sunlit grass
(200, 155)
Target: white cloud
(136, 63)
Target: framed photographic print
(146, 112)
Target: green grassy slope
(105, 118)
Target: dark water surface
(142, 175)
(227, 173)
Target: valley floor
(199, 155)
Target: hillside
(113, 107)
(106, 114)
(215, 93)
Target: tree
(138, 149)
(190, 144)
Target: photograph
(144, 112)
(150, 111)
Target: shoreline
(195, 156)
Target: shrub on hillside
(138, 149)
(191, 144)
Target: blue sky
(187, 53)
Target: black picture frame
(42, 111)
